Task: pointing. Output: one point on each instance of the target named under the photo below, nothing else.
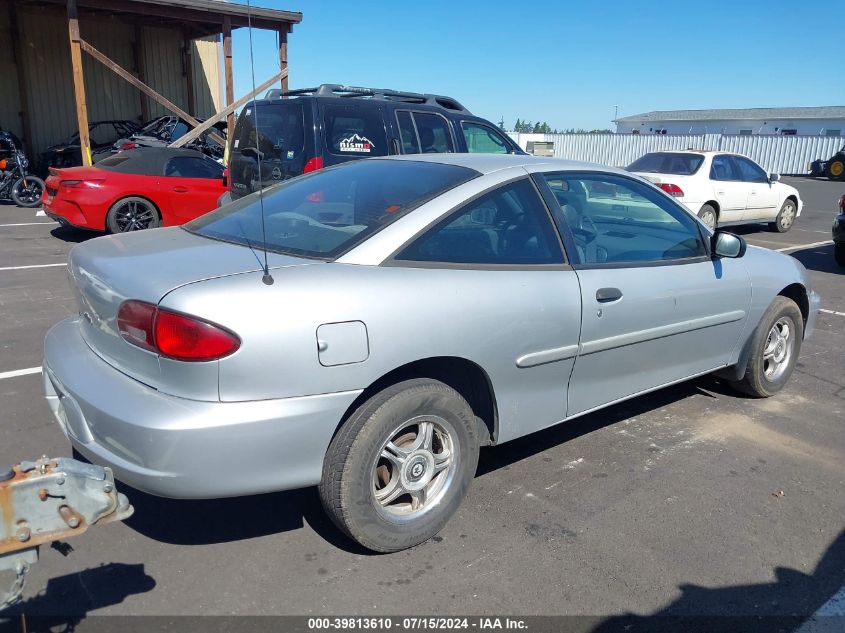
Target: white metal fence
(779, 154)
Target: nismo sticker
(356, 143)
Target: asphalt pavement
(690, 500)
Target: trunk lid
(146, 266)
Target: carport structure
(78, 61)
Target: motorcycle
(16, 184)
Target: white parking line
(842, 314)
(796, 247)
(40, 214)
(33, 266)
(20, 372)
(31, 224)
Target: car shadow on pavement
(781, 605)
(72, 234)
(65, 601)
(820, 259)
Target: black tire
(839, 253)
(709, 216)
(27, 192)
(756, 381)
(132, 214)
(354, 469)
(785, 217)
(835, 169)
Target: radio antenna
(267, 278)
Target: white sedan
(722, 188)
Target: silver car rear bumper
(174, 447)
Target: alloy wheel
(777, 352)
(134, 215)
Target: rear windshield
(677, 163)
(277, 129)
(328, 212)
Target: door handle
(606, 295)
(180, 189)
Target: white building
(823, 120)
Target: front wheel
(27, 191)
(775, 345)
(836, 169)
(131, 214)
(400, 466)
(785, 218)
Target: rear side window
(677, 163)
(277, 130)
(483, 140)
(424, 133)
(354, 131)
(723, 168)
(190, 167)
(509, 225)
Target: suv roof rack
(346, 92)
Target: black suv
(294, 132)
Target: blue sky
(566, 63)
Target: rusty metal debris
(50, 500)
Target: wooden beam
(140, 85)
(283, 53)
(227, 73)
(23, 92)
(227, 111)
(78, 81)
(141, 68)
(188, 58)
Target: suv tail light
(313, 165)
(225, 176)
(842, 204)
(672, 190)
(172, 334)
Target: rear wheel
(774, 349)
(708, 216)
(400, 466)
(132, 214)
(785, 218)
(839, 253)
(836, 168)
(27, 191)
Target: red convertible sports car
(134, 190)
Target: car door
(730, 190)
(505, 293)
(190, 187)
(762, 197)
(655, 308)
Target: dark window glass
(677, 163)
(749, 171)
(723, 168)
(483, 139)
(433, 132)
(507, 226)
(190, 167)
(276, 130)
(179, 130)
(614, 220)
(326, 213)
(355, 131)
(410, 144)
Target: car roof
(489, 163)
(149, 161)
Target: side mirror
(774, 177)
(724, 244)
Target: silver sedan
(367, 328)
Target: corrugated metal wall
(780, 154)
(9, 98)
(47, 71)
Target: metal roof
(765, 114)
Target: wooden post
(283, 53)
(23, 93)
(78, 81)
(141, 70)
(189, 74)
(227, 73)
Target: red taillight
(80, 183)
(226, 177)
(313, 165)
(172, 334)
(129, 146)
(672, 190)
(842, 204)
